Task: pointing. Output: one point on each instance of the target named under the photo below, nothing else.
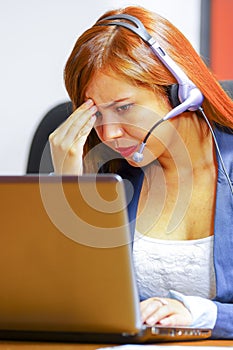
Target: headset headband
(136, 26)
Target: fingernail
(150, 321)
(89, 102)
(93, 109)
(164, 322)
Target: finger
(78, 143)
(79, 129)
(159, 314)
(175, 320)
(69, 160)
(173, 313)
(75, 121)
(78, 113)
(80, 117)
(145, 303)
(149, 308)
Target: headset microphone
(189, 96)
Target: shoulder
(224, 138)
(223, 133)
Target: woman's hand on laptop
(68, 140)
(165, 311)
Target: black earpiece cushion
(172, 92)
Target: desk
(75, 346)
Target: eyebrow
(112, 104)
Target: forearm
(209, 314)
(203, 311)
(223, 328)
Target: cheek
(144, 118)
(99, 131)
(163, 138)
(136, 132)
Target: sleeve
(203, 311)
(223, 328)
(223, 239)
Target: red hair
(117, 49)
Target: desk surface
(74, 346)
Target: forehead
(105, 88)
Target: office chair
(227, 85)
(39, 160)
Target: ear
(172, 92)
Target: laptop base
(147, 335)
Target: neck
(183, 181)
(191, 150)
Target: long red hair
(114, 48)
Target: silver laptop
(66, 270)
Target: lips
(126, 151)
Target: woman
(182, 200)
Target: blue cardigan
(223, 240)
(223, 231)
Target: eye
(124, 108)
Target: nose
(111, 131)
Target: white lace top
(184, 266)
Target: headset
(184, 96)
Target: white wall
(36, 37)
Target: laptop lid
(66, 270)
(65, 261)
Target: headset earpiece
(172, 93)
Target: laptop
(66, 267)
